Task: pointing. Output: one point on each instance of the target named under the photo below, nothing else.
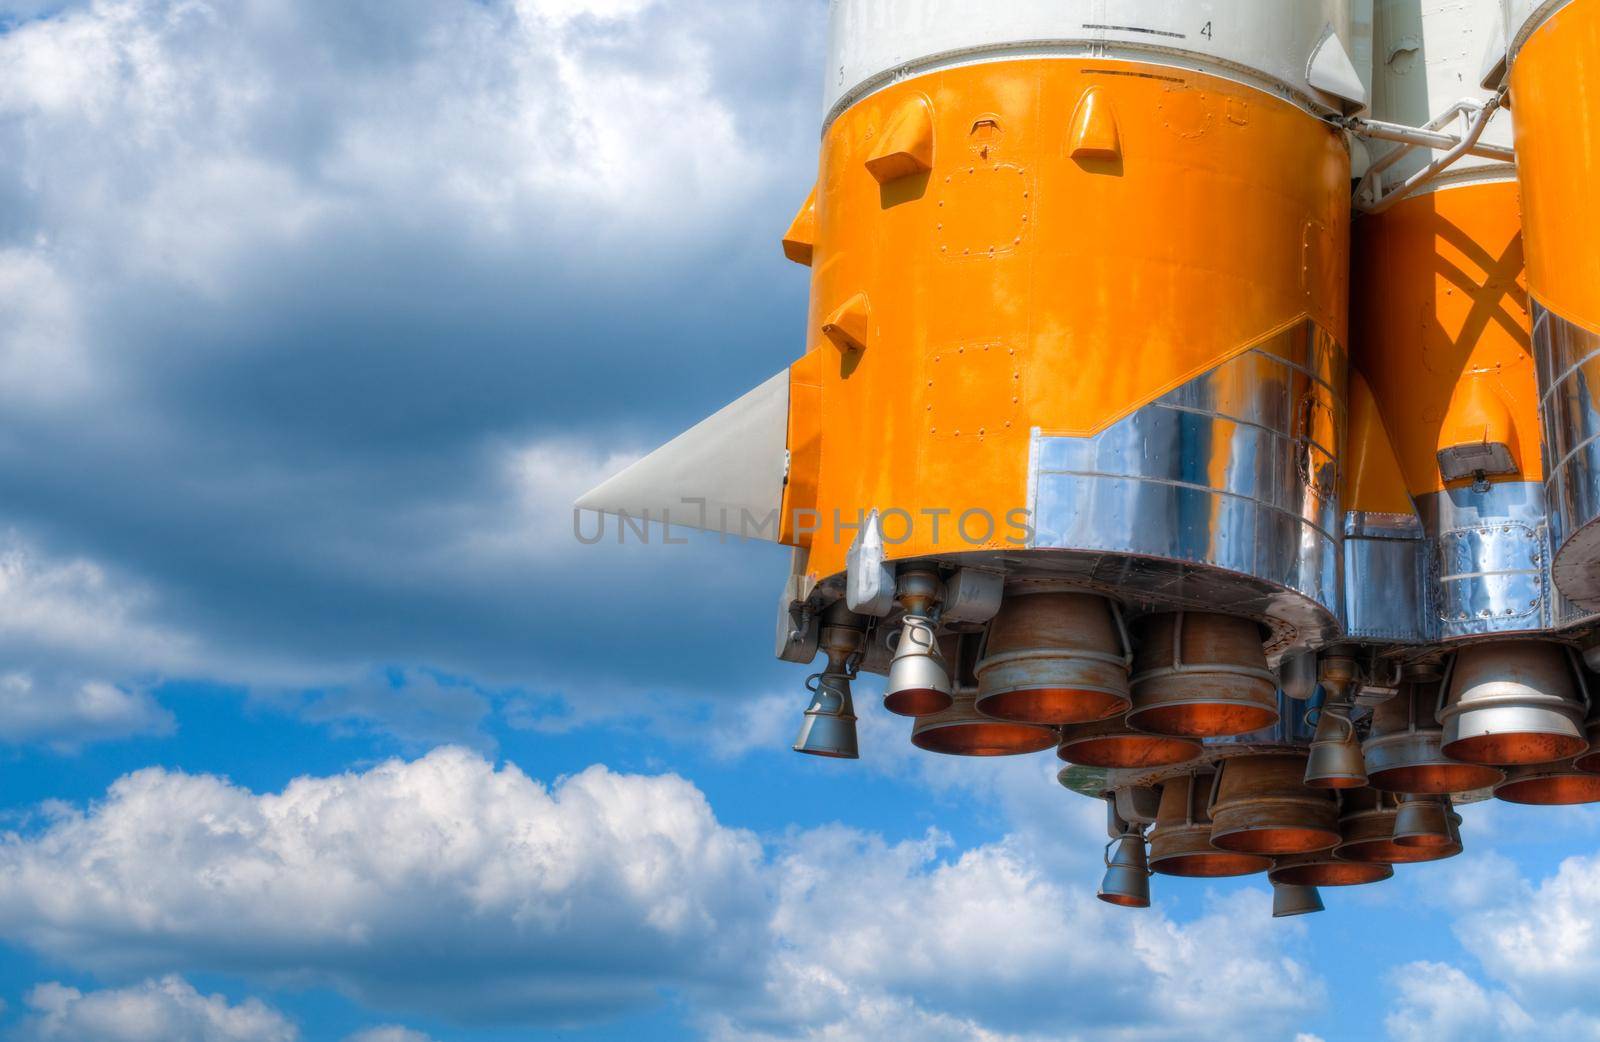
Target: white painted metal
(869, 582)
(1375, 195)
(724, 474)
(972, 595)
(1428, 57)
(1523, 17)
(1332, 72)
(1267, 43)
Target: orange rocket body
(1214, 379)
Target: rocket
(1199, 391)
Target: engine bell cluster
(1208, 763)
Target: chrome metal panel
(1227, 485)
(1567, 358)
(1489, 563)
(1385, 572)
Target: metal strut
(1370, 196)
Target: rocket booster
(1185, 389)
(1051, 253)
(1550, 71)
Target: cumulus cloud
(76, 607)
(164, 1010)
(66, 626)
(442, 884)
(448, 887)
(1536, 943)
(1438, 1001)
(1541, 939)
(881, 940)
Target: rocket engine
(1186, 390)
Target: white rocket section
(1428, 56)
(724, 474)
(1522, 17)
(1299, 49)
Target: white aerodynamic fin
(724, 474)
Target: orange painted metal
(800, 239)
(1373, 481)
(1015, 287)
(1555, 93)
(906, 147)
(1440, 331)
(799, 517)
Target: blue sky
(317, 724)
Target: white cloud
(41, 346)
(441, 884)
(165, 1010)
(1537, 942)
(201, 132)
(65, 626)
(75, 607)
(294, 295)
(989, 945)
(67, 717)
(1436, 1001)
(1543, 940)
(389, 1033)
(447, 887)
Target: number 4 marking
(1206, 32)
